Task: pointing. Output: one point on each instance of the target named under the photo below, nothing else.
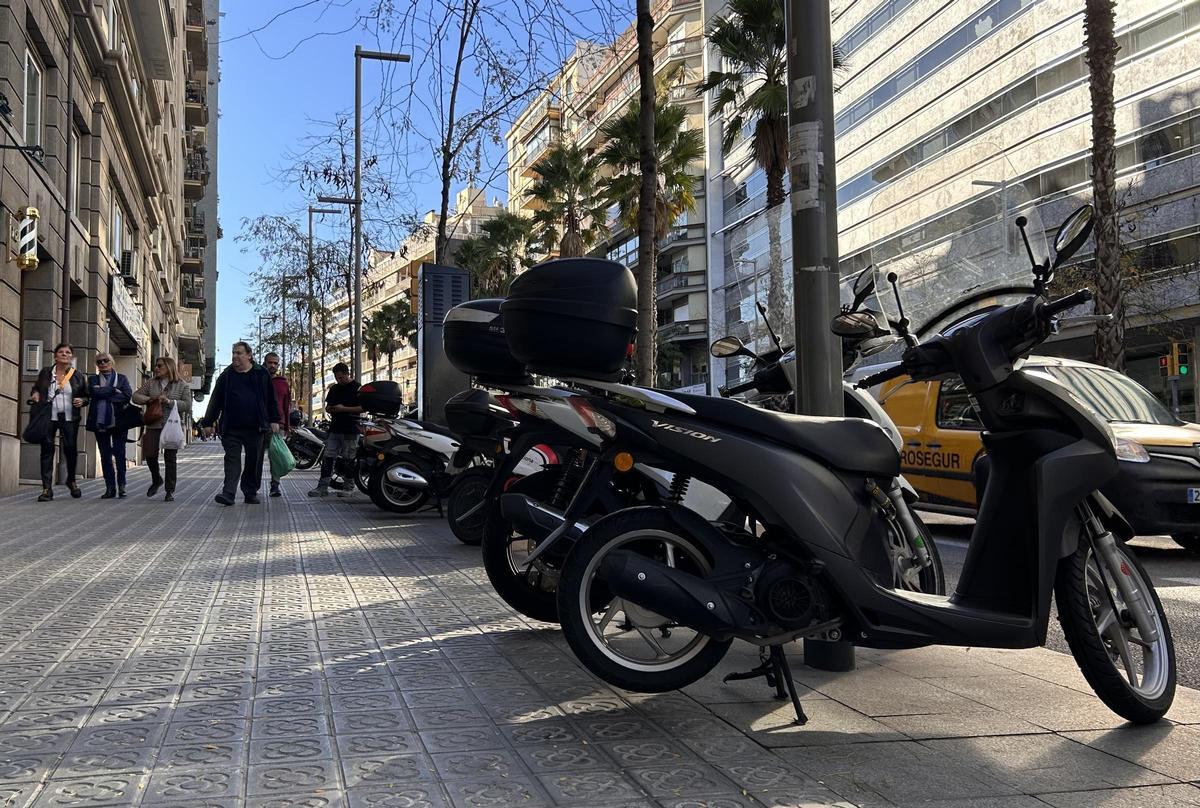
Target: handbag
(130, 417)
(153, 413)
(39, 423)
(172, 433)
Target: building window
(116, 230)
(114, 17)
(33, 100)
(76, 175)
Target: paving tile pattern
(325, 654)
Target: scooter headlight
(1131, 451)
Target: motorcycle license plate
(1194, 496)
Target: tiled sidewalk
(324, 653)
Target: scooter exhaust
(407, 477)
(680, 596)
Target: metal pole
(71, 180)
(814, 236)
(356, 241)
(311, 366)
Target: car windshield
(1113, 396)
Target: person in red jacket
(283, 400)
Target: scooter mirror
(1073, 234)
(864, 287)
(729, 346)
(855, 325)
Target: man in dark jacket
(243, 400)
(283, 402)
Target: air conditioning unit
(128, 273)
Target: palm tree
(372, 337)
(1100, 51)
(676, 150)
(496, 255)
(402, 326)
(751, 39)
(568, 189)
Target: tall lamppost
(359, 55)
(312, 370)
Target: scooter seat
(850, 444)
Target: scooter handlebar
(1072, 300)
(881, 377)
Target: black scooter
(650, 598)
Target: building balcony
(193, 256)
(676, 284)
(190, 329)
(687, 93)
(195, 104)
(193, 226)
(679, 49)
(683, 331)
(197, 36)
(195, 176)
(194, 297)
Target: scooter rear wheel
(392, 497)
(470, 487)
(1135, 678)
(529, 591)
(627, 644)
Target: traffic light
(1164, 366)
(1180, 359)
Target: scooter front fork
(1118, 569)
(893, 505)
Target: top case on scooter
(572, 317)
(474, 341)
(381, 398)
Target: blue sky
(298, 68)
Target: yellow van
(1158, 489)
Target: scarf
(106, 413)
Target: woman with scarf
(66, 393)
(170, 391)
(110, 392)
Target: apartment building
(596, 85)
(108, 181)
(392, 276)
(928, 85)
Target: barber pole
(25, 236)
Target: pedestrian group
(249, 404)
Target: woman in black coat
(65, 392)
(110, 393)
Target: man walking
(283, 402)
(342, 442)
(243, 400)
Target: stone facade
(117, 134)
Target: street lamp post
(359, 55)
(312, 370)
(813, 196)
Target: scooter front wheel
(1133, 675)
(624, 643)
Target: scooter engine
(792, 597)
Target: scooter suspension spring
(568, 480)
(679, 487)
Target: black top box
(471, 414)
(381, 398)
(572, 317)
(474, 341)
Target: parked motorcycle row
(658, 527)
(674, 524)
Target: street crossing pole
(814, 236)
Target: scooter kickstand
(784, 673)
(766, 669)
